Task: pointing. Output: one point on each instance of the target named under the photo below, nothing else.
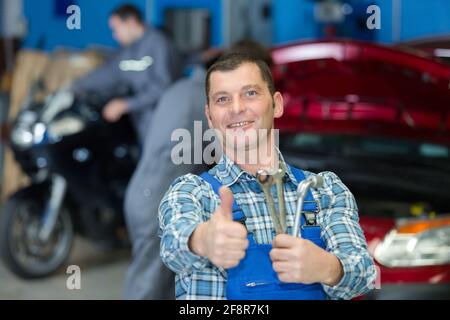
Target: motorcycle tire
(20, 247)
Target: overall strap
(238, 214)
(309, 204)
(310, 232)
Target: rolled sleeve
(158, 78)
(180, 212)
(345, 239)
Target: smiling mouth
(240, 124)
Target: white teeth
(238, 124)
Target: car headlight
(22, 137)
(416, 243)
(39, 132)
(65, 126)
(22, 132)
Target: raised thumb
(226, 202)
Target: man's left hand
(297, 260)
(114, 110)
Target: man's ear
(278, 105)
(208, 116)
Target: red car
(380, 118)
(437, 48)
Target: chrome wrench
(312, 182)
(266, 180)
(278, 177)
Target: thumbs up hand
(225, 209)
(222, 240)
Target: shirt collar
(229, 172)
(289, 173)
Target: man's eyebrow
(244, 88)
(219, 93)
(251, 86)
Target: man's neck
(268, 160)
(253, 168)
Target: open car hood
(346, 86)
(437, 48)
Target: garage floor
(102, 276)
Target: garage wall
(400, 20)
(292, 20)
(47, 23)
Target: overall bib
(254, 277)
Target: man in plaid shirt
(200, 240)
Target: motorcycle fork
(58, 189)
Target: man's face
(122, 29)
(241, 107)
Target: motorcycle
(79, 167)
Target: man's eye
(222, 99)
(251, 93)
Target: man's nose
(238, 106)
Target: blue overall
(254, 277)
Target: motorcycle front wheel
(21, 248)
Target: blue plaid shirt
(190, 201)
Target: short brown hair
(127, 11)
(233, 60)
